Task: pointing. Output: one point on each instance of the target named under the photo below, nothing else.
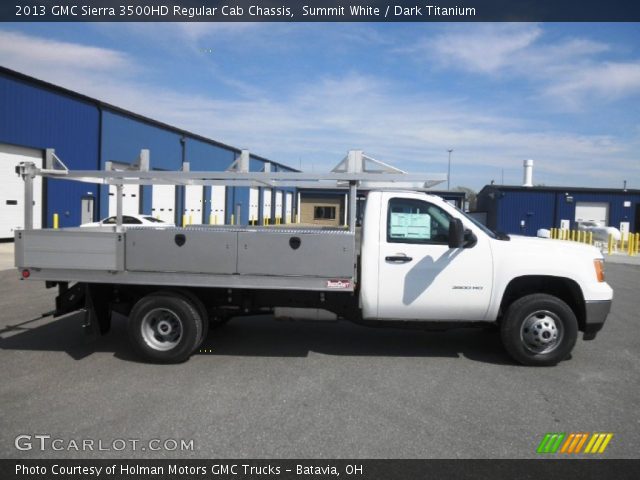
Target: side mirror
(456, 233)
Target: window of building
(324, 213)
(415, 221)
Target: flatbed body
(269, 257)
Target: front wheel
(539, 330)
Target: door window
(415, 221)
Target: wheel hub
(541, 332)
(161, 329)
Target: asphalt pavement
(269, 389)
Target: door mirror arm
(470, 239)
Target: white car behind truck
(417, 262)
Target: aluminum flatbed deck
(200, 256)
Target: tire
(197, 303)
(539, 330)
(164, 328)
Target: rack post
(352, 206)
(119, 189)
(27, 170)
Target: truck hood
(548, 247)
(546, 255)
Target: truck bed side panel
(202, 251)
(77, 249)
(327, 254)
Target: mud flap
(92, 300)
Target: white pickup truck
(418, 262)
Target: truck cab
(423, 260)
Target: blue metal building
(87, 133)
(524, 210)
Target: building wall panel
(546, 207)
(36, 117)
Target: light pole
(449, 170)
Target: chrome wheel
(541, 332)
(161, 329)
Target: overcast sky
(565, 95)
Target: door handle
(398, 259)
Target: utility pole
(449, 170)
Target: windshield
(482, 227)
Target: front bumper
(596, 313)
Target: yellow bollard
(211, 219)
(190, 219)
(637, 243)
(184, 221)
(590, 238)
(630, 248)
(610, 244)
(233, 222)
(55, 221)
(552, 233)
(573, 235)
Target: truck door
(420, 277)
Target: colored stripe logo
(573, 443)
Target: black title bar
(319, 11)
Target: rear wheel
(165, 328)
(197, 303)
(539, 330)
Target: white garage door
(266, 204)
(218, 198)
(279, 204)
(12, 189)
(163, 202)
(193, 195)
(254, 200)
(593, 212)
(130, 200)
(288, 207)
